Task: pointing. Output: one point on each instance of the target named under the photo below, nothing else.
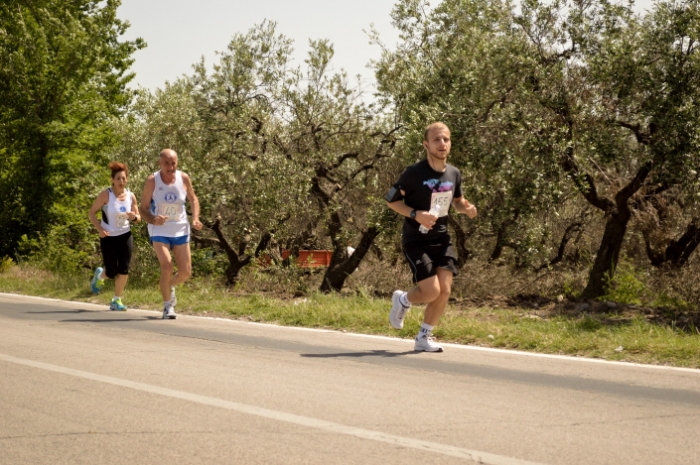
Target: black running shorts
(116, 254)
(425, 257)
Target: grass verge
(620, 336)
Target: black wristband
(412, 214)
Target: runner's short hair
(432, 126)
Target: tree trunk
(573, 228)
(237, 260)
(678, 251)
(502, 236)
(608, 255)
(342, 266)
(463, 253)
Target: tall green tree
(63, 75)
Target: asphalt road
(82, 385)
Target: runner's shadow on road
(370, 353)
(79, 310)
(112, 320)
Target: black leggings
(116, 254)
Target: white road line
(388, 338)
(336, 428)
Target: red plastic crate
(311, 258)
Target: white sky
(180, 32)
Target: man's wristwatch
(413, 214)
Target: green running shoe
(117, 305)
(96, 283)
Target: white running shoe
(426, 344)
(398, 311)
(173, 299)
(169, 312)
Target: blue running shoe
(96, 283)
(117, 305)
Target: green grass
(628, 337)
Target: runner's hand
(426, 219)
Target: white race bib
(169, 210)
(122, 220)
(442, 200)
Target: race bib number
(169, 210)
(122, 220)
(441, 200)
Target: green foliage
(664, 300)
(63, 73)
(208, 262)
(67, 246)
(5, 264)
(625, 287)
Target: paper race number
(122, 220)
(169, 210)
(442, 200)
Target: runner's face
(119, 180)
(438, 144)
(168, 164)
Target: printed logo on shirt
(170, 197)
(441, 186)
(122, 209)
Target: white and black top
(115, 214)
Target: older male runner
(163, 208)
(429, 185)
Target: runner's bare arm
(146, 196)
(194, 201)
(100, 201)
(134, 216)
(462, 205)
(422, 216)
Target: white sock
(115, 298)
(404, 300)
(425, 330)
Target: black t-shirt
(425, 187)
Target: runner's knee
(184, 272)
(445, 291)
(429, 291)
(166, 267)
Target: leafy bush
(5, 264)
(625, 287)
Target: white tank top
(115, 218)
(169, 200)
